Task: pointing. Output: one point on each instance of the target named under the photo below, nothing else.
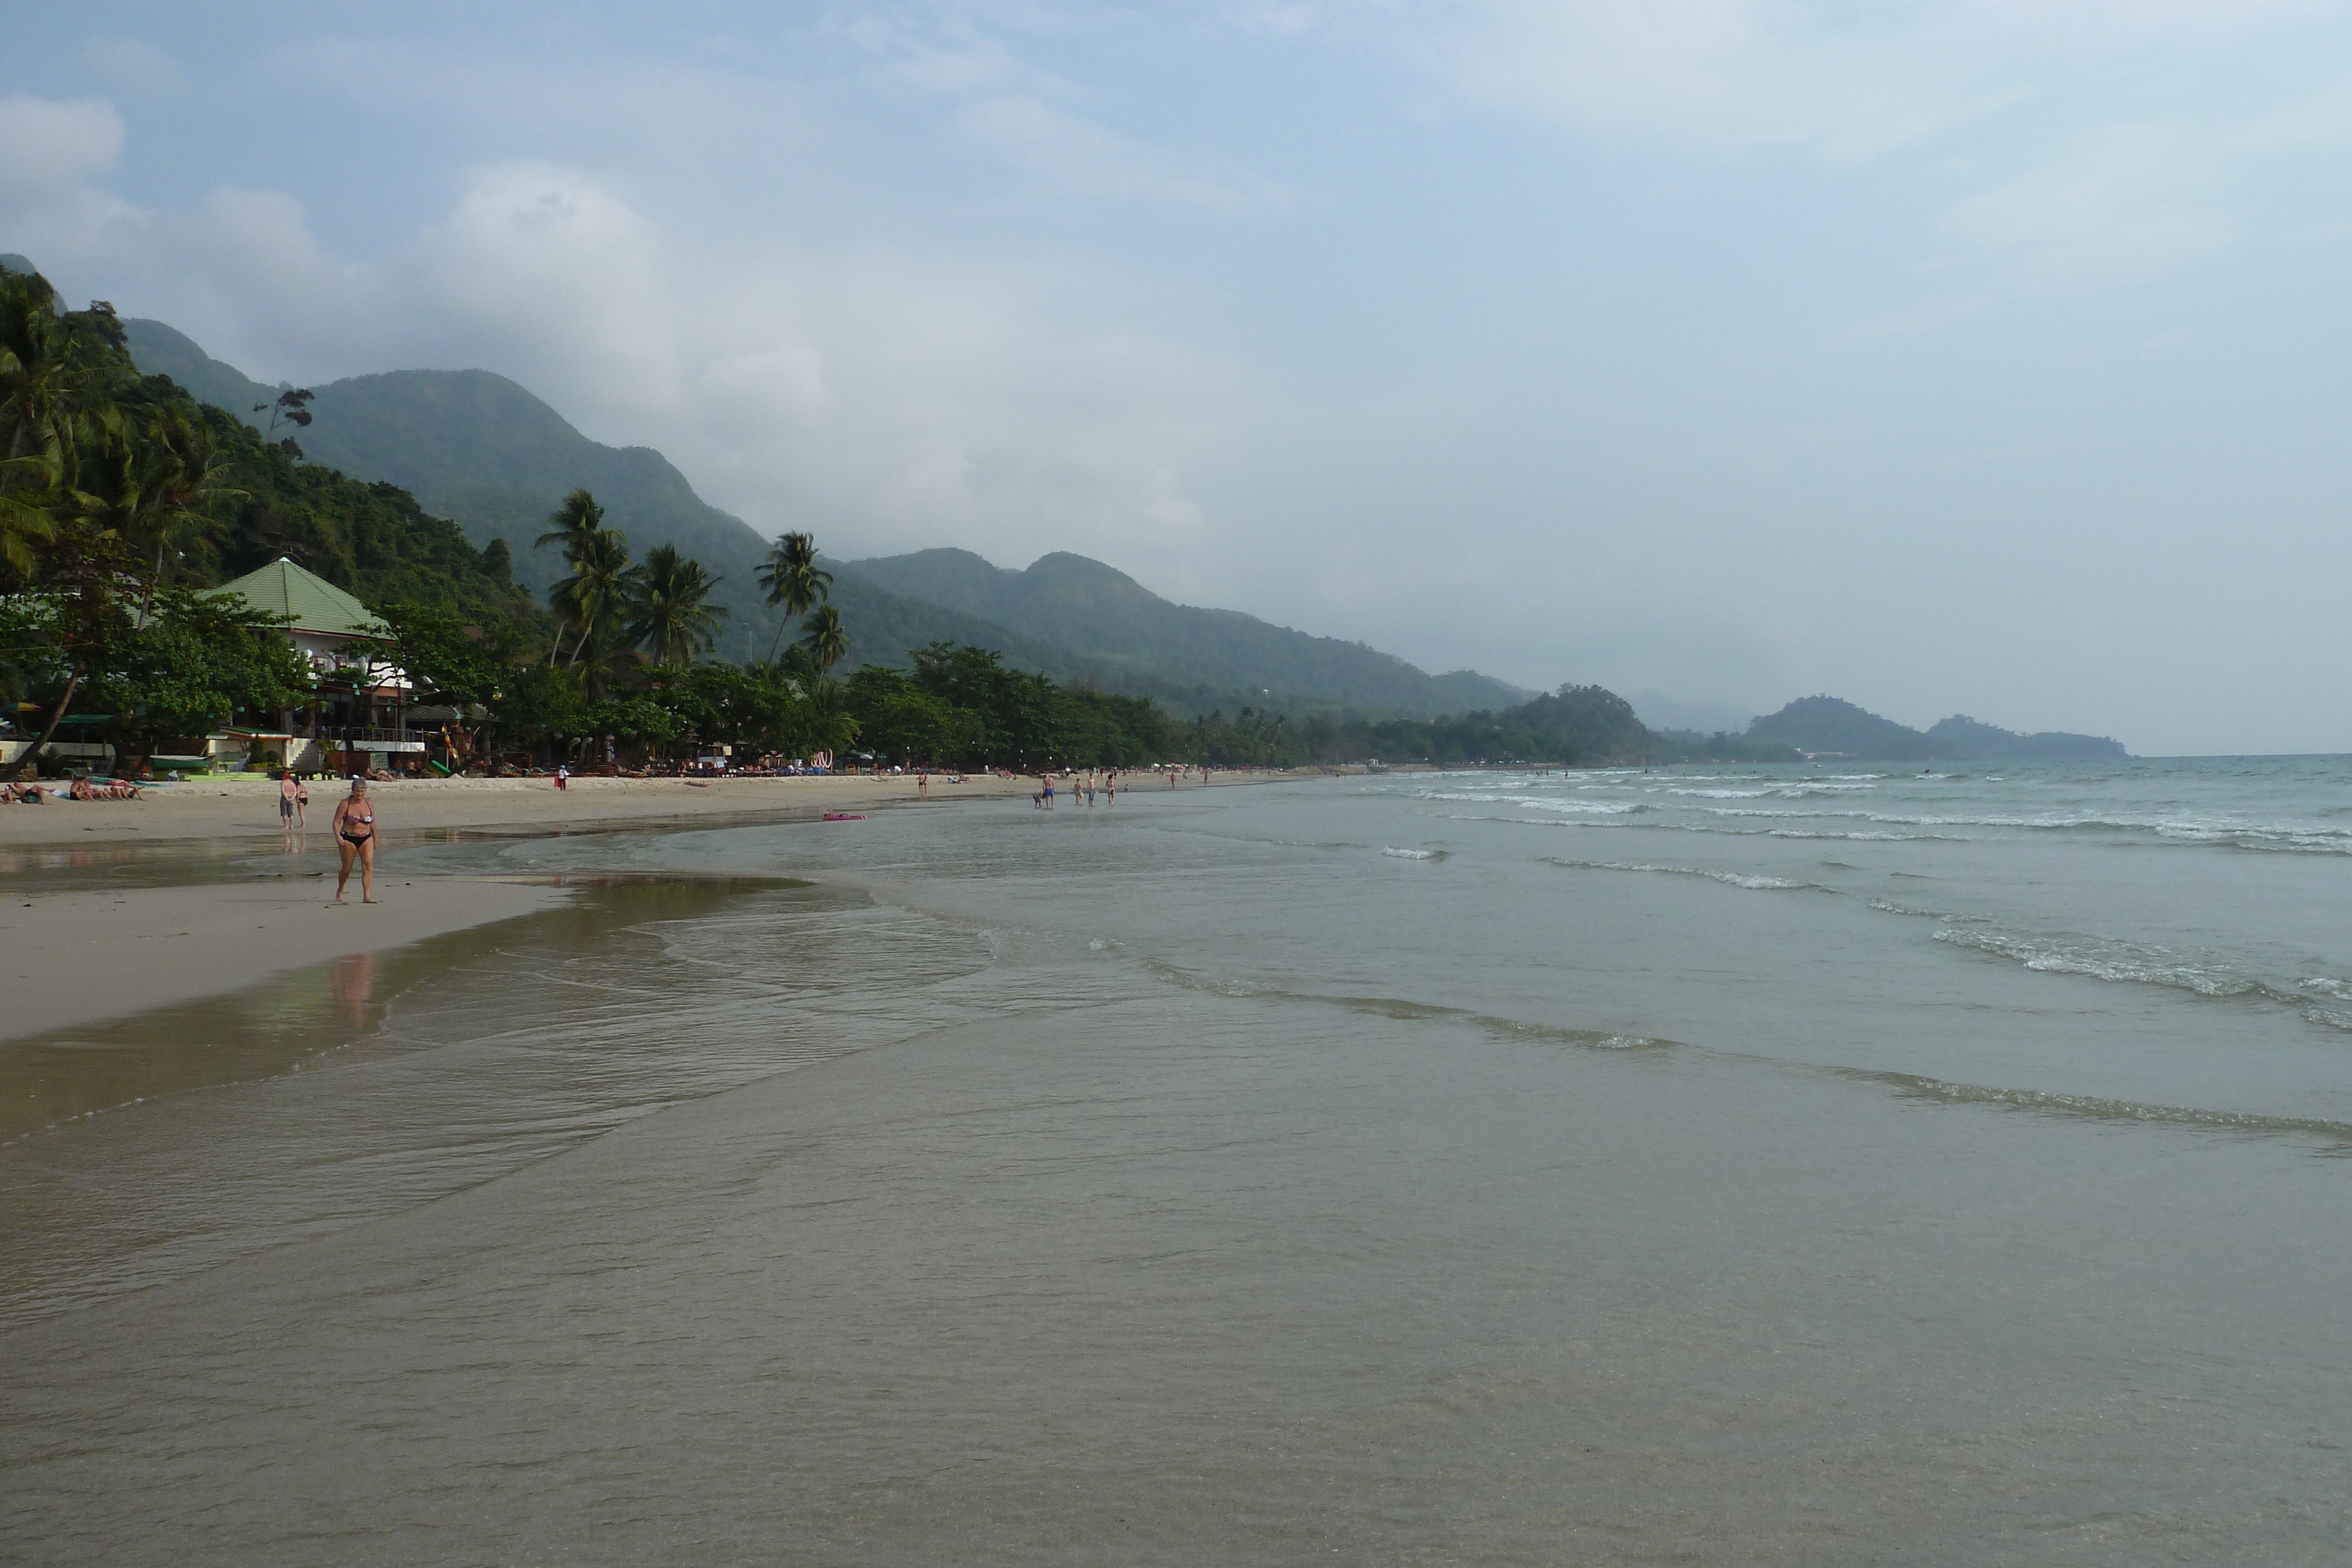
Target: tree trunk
(147, 600)
(26, 762)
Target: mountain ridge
(486, 452)
(1830, 725)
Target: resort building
(357, 715)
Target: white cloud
(48, 146)
(2120, 200)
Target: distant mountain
(1132, 639)
(483, 452)
(1660, 711)
(486, 452)
(1960, 735)
(1826, 724)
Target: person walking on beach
(562, 774)
(288, 798)
(354, 825)
(923, 785)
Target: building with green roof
(320, 616)
(356, 692)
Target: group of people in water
(1096, 784)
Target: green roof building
(321, 615)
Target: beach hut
(358, 716)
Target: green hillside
(1130, 639)
(479, 449)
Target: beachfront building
(357, 715)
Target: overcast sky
(1988, 356)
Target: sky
(1978, 356)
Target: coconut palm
(827, 640)
(793, 580)
(671, 616)
(572, 526)
(24, 519)
(52, 396)
(591, 601)
(187, 480)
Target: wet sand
(233, 807)
(73, 958)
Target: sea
(1822, 1164)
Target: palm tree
(828, 640)
(672, 617)
(52, 391)
(24, 519)
(790, 577)
(591, 601)
(187, 479)
(573, 526)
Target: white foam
(1730, 878)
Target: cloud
(2120, 199)
(48, 146)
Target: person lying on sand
(83, 789)
(26, 794)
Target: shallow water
(1615, 1175)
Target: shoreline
(247, 808)
(77, 957)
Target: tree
(292, 406)
(571, 526)
(671, 615)
(189, 667)
(591, 601)
(187, 480)
(793, 580)
(828, 640)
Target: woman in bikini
(354, 826)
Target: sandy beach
(75, 958)
(227, 808)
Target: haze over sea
(1789, 1166)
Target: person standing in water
(354, 825)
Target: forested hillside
(1132, 639)
(479, 449)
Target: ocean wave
(1539, 802)
(1888, 906)
(2142, 964)
(1730, 878)
(1413, 854)
(2308, 840)
(1400, 1009)
(2093, 1107)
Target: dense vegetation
(478, 448)
(120, 497)
(123, 499)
